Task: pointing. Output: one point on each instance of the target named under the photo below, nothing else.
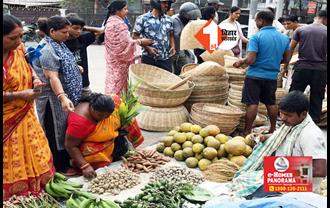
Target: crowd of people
(76, 131)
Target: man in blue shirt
(267, 49)
(156, 25)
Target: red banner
(288, 174)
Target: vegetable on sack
(43, 200)
(130, 106)
(198, 195)
(161, 194)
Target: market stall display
(113, 182)
(144, 161)
(44, 200)
(199, 147)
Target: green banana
(84, 194)
(109, 204)
(60, 190)
(86, 203)
(71, 203)
(60, 176)
(50, 191)
(66, 186)
(73, 184)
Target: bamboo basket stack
(225, 117)
(208, 88)
(165, 107)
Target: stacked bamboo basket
(208, 88)
(165, 107)
(227, 118)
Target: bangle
(10, 96)
(84, 166)
(62, 94)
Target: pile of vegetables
(43, 200)
(144, 161)
(85, 200)
(199, 147)
(113, 181)
(161, 194)
(177, 174)
(60, 187)
(129, 107)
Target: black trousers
(317, 80)
(164, 64)
(61, 158)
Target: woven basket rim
(223, 109)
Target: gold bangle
(84, 166)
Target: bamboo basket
(188, 67)
(153, 77)
(237, 85)
(187, 38)
(230, 60)
(163, 98)
(259, 121)
(207, 68)
(162, 119)
(225, 117)
(216, 56)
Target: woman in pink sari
(120, 48)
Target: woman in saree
(27, 159)
(95, 137)
(120, 48)
(58, 69)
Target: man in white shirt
(310, 142)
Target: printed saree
(27, 159)
(120, 53)
(98, 139)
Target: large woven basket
(187, 37)
(230, 60)
(216, 56)
(153, 77)
(163, 98)
(225, 117)
(209, 89)
(259, 121)
(188, 67)
(237, 85)
(207, 68)
(162, 119)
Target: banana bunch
(60, 187)
(85, 200)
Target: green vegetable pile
(161, 194)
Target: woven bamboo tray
(237, 85)
(153, 77)
(162, 119)
(163, 98)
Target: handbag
(236, 50)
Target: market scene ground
(158, 112)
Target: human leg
(268, 97)
(318, 84)
(250, 116)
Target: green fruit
(180, 138)
(191, 162)
(197, 139)
(189, 135)
(177, 128)
(214, 143)
(206, 139)
(210, 153)
(175, 147)
(167, 140)
(185, 127)
(160, 147)
(187, 144)
(203, 163)
(168, 152)
(204, 132)
(248, 151)
(197, 148)
(221, 151)
(187, 152)
(171, 133)
(195, 128)
(235, 146)
(178, 155)
(221, 138)
(213, 130)
(199, 156)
